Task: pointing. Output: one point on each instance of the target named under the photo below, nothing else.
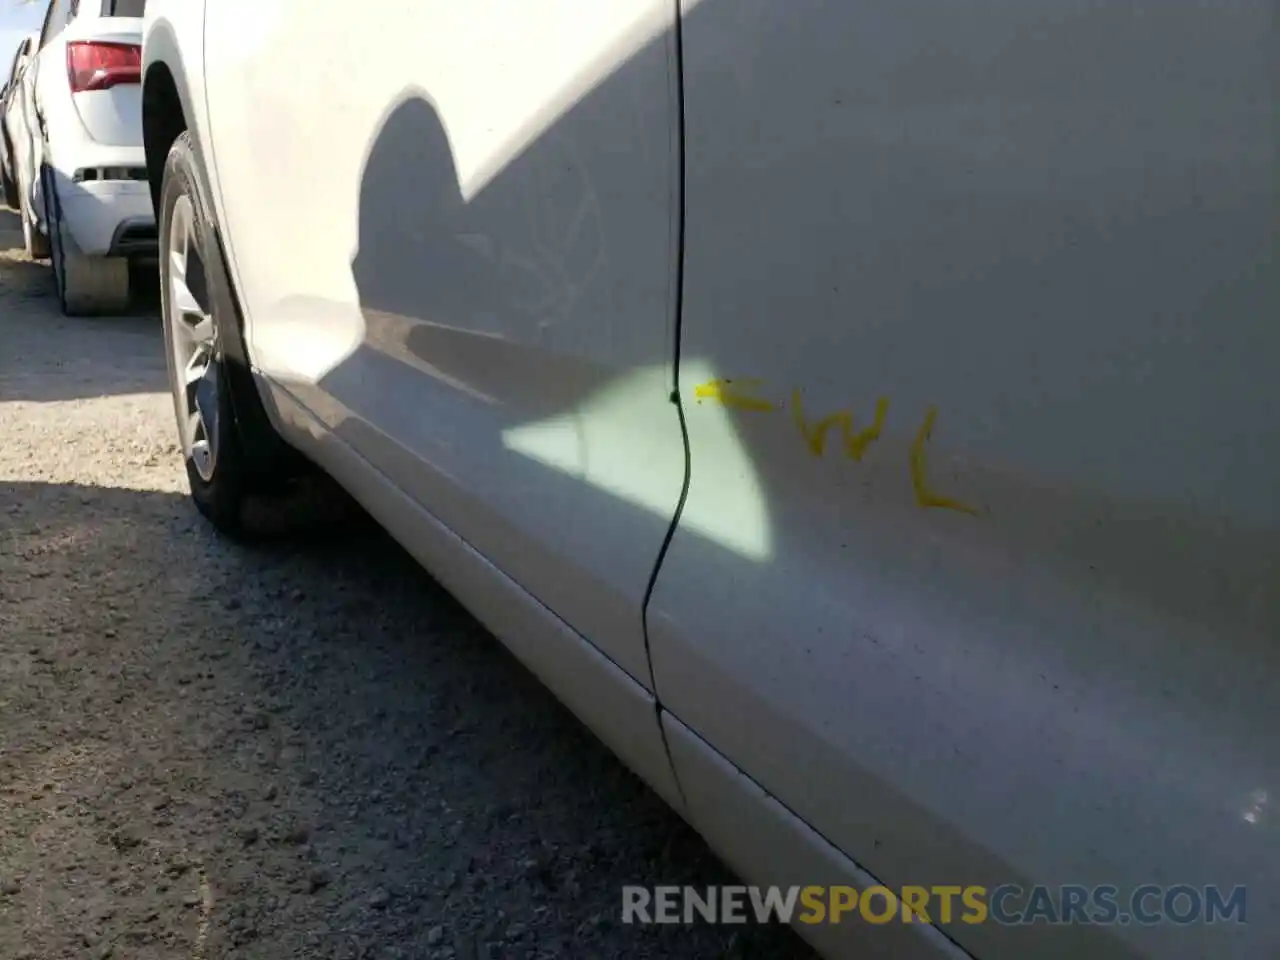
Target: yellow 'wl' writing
(741, 395)
(855, 444)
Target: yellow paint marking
(919, 469)
(741, 394)
(816, 436)
(727, 392)
(855, 444)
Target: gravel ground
(303, 751)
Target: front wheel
(237, 466)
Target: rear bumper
(105, 199)
(109, 218)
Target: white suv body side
(459, 235)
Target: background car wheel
(243, 477)
(9, 189)
(37, 243)
(86, 285)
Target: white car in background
(10, 98)
(862, 415)
(81, 169)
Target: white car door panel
(983, 296)
(455, 239)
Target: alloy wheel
(193, 336)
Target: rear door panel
(995, 286)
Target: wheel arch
(166, 105)
(164, 119)
(167, 113)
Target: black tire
(37, 243)
(251, 466)
(9, 188)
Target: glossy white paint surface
(453, 229)
(1054, 223)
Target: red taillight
(93, 65)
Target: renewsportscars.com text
(1007, 905)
